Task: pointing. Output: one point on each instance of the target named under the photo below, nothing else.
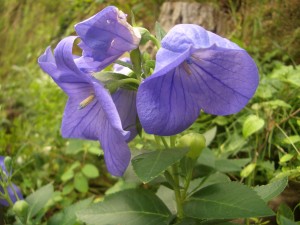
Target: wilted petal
(106, 35)
(195, 70)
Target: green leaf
(149, 165)
(68, 175)
(130, 207)
(291, 139)
(252, 124)
(74, 147)
(81, 183)
(210, 135)
(159, 31)
(95, 150)
(271, 190)
(90, 171)
(38, 199)
(248, 170)
(68, 189)
(285, 221)
(226, 201)
(68, 215)
(285, 158)
(231, 165)
(274, 104)
(285, 210)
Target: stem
(177, 191)
(6, 196)
(128, 81)
(164, 142)
(282, 131)
(155, 41)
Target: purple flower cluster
(10, 189)
(195, 70)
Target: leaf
(252, 124)
(285, 158)
(193, 221)
(291, 139)
(81, 183)
(38, 199)
(68, 175)
(203, 182)
(274, 104)
(271, 190)
(285, 221)
(286, 211)
(149, 165)
(68, 215)
(210, 135)
(129, 207)
(159, 31)
(68, 189)
(248, 170)
(230, 165)
(226, 201)
(74, 147)
(95, 150)
(90, 171)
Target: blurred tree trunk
(204, 14)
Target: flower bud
(195, 142)
(7, 163)
(21, 208)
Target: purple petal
(106, 35)
(226, 80)
(195, 70)
(116, 151)
(125, 101)
(11, 195)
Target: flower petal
(125, 101)
(164, 105)
(195, 70)
(226, 80)
(11, 195)
(106, 35)
(181, 41)
(116, 151)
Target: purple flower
(9, 188)
(195, 69)
(91, 112)
(104, 38)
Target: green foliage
(258, 144)
(133, 206)
(210, 203)
(149, 165)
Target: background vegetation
(258, 144)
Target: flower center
(86, 101)
(186, 66)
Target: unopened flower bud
(21, 208)
(195, 142)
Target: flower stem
(177, 191)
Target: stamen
(187, 68)
(86, 101)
